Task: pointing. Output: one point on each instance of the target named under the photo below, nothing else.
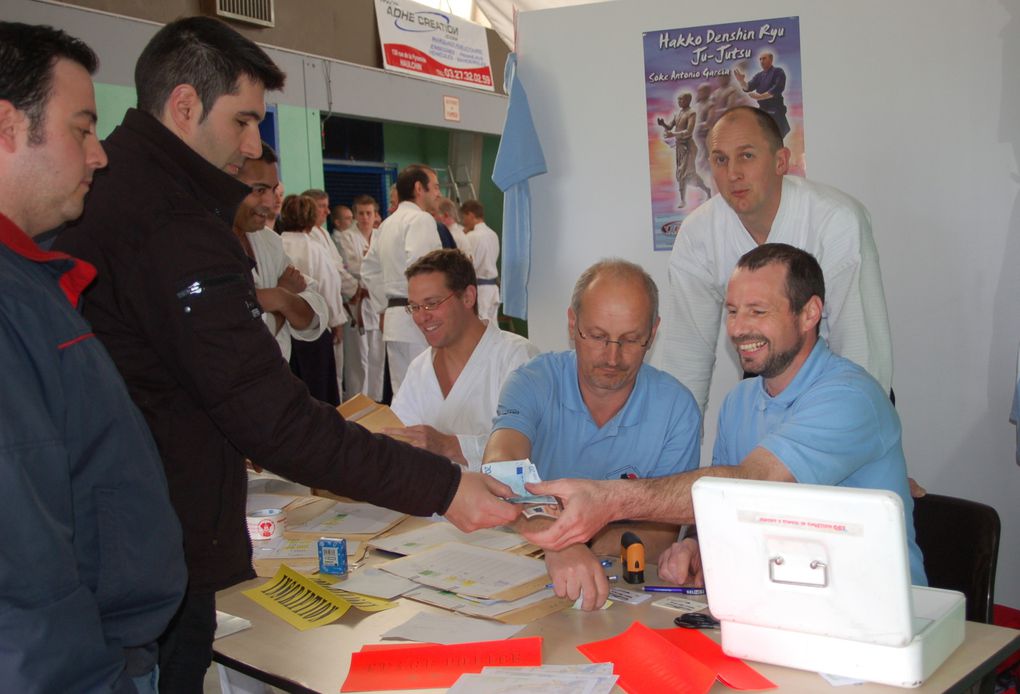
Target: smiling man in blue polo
(809, 416)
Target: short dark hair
(28, 53)
(268, 154)
(340, 207)
(454, 266)
(364, 200)
(415, 173)
(205, 53)
(804, 278)
(316, 193)
(473, 207)
(298, 213)
(768, 126)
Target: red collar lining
(73, 280)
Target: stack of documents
(341, 519)
(595, 678)
(436, 534)
(479, 582)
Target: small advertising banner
(692, 77)
(419, 40)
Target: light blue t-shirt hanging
(518, 159)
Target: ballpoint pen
(674, 589)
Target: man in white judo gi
(450, 392)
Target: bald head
(749, 116)
(616, 271)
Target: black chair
(960, 543)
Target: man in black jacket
(175, 305)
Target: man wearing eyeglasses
(598, 411)
(451, 390)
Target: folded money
(515, 474)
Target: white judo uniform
(468, 410)
(270, 262)
(485, 256)
(364, 353)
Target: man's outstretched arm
(589, 505)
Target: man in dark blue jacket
(91, 563)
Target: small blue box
(333, 556)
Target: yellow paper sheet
(305, 603)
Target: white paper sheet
(227, 624)
(503, 682)
(467, 570)
(631, 597)
(447, 629)
(420, 539)
(679, 603)
(475, 608)
(379, 584)
(344, 518)
(565, 669)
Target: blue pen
(675, 589)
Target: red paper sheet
(648, 662)
(431, 666)
(733, 672)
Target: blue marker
(675, 589)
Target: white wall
(911, 106)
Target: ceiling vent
(250, 11)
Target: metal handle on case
(814, 566)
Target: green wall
(411, 144)
(113, 101)
(300, 148)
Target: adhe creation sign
(418, 40)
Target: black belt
(493, 281)
(396, 301)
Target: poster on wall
(419, 40)
(692, 77)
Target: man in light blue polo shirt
(599, 411)
(810, 416)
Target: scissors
(696, 620)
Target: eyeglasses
(414, 308)
(626, 344)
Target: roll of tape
(266, 524)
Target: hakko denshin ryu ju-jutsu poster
(692, 77)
